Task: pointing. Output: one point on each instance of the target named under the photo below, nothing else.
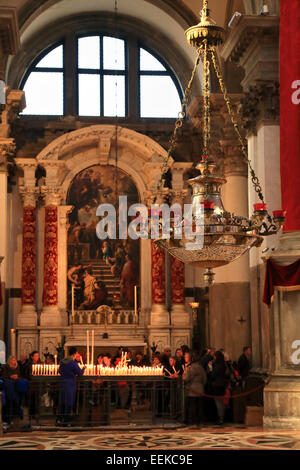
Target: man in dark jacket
(244, 364)
(68, 369)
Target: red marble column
(177, 281)
(29, 255)
(50, 293)
(158, 275)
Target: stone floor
(209, 438)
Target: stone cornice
(249, 28)
(9, 30)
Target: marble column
(29, 192)
(254, 45)
(181, 324)
(63, 226)
(230, 325)
(159, 314)
(7, 151)
(50, 315)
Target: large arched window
(103, 84)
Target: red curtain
(284, 278)
(290, 112)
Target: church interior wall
(233, 293)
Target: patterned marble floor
(184, 439)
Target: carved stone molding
(261, 103)
(15, 103)
(9, 30)
(233, 161)
(63, 216)
(254, 44)
(7, 163)
(178, 196)
(29, 195)
(91, 135)
(52, 195)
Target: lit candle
(87, 347)
(55, 359)
(279, 214)
(73, 302)
(260, 207)
(93, 342)
(208, 205)
(135, 300)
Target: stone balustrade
(114, 317)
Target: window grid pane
(113, 53)
(159, 97)
(89, 94)
(89, 52)
(54, 59)
(114, 95)
(149, 63)
(44, 93)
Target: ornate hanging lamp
(226, 236)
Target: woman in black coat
(218, 384)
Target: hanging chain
(254, 179)
(179, 121)
(206, 100)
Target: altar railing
(106, 401)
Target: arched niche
(139, 156)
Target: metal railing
(94, 402)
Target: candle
(55, 359)
(87, 347)
(13, 341)
(135, 300)
(73, 302)
(93, 342)
(208, 205)
(260, 207)
(279, 214)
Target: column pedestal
(282, 394)
(27, 316)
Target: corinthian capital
(234, 163)
(29, 195)
(7, 153)
(52, 195)
(261, 103)
(178, 196)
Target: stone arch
(95, 145)
(139, 156)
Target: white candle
(87, 347)
(73, 302)
(135, 300)
(93, 342)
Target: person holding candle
(194, 377)
(68, 370)
(33, 393)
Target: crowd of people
(210, 380)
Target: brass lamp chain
(179, 121)
(206, 96)
(254, 179)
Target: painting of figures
(103, 272)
